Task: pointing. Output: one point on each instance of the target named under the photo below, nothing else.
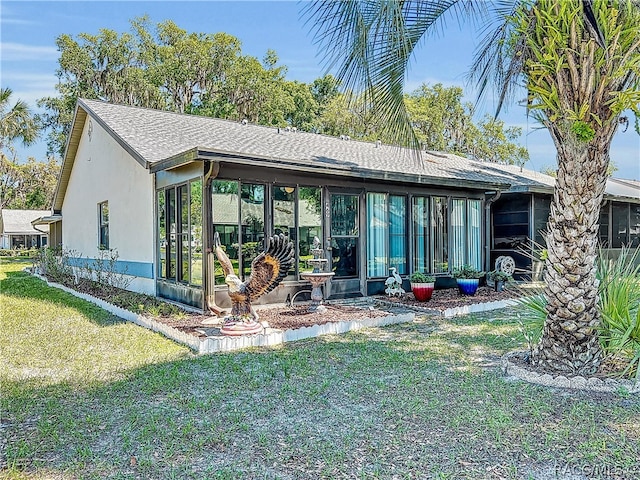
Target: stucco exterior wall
(104, 171)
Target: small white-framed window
(103, 225)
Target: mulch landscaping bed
(282, 318)
(285, 318)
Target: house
(156, 185)
(16, 230)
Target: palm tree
(16, 122)
(580, 63)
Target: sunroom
(366, 226)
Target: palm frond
(499, 58)
(370, 43)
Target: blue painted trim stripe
(135, 269)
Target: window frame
(178, 234)
(269, 220)
(388, 236)
(103, 226)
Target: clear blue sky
(29, 55)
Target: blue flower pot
(468, 286)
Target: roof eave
(530, 189)
(70, 150)
(311, 166)
(548, 190)
(175, 161)
(48, 220)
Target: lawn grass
(87, 396)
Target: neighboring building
(16, 230)
(520, 215)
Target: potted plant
(499, 279)
(422, 286)
(468, 279)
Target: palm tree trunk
(569, 342)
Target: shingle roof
(522, 179)
(623, 188)
(156, 135)
(19, 221)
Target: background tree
(304, 114)
(351, 117)
(495, 142)
(441, 121)
(324, 89)
(106, 66)
(580, 62)
(183, 66)
(16, 122)
(9, 180)
(27, 186)
(164, 66)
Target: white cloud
(29, 87)
(17, 21)
(20, 51)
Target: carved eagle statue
(267, 271)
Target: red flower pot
(422, 291)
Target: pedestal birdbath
(317, 277)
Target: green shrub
(53, 263)
(100, 277)
(467, 271)
(20, 252)
(145, 304)
(499, 276)
(103, 271)
(619, 297)
(531, 324)
(618, 304)
(419, 277)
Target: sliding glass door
(344, 234)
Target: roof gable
(19, 221)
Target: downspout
(487, 229)
(209, 303)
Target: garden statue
(267, 271)
(394, 284)
(505, 264)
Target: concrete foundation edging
(478, 307)
(271, 337)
